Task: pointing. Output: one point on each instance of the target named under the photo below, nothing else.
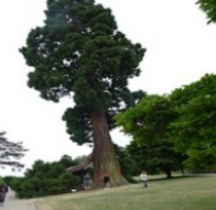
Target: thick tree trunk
(168, 173)
(182, 170)
(104, 158)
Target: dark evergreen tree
(79, 52)
(11, 152)
(209, 7)
(44, 179)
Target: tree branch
(81, 165)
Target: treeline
(175, 131)
(46, 179)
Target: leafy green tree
(194, 131)
(79, 52)
(209, 7)
(148, 123)
(11, 152)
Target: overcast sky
(181, 48)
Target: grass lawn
(188, 193)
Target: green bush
(45, 179)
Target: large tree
(79, 52)
(10, 152)
(194, 131)
(148, 124)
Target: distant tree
(157, 158)
(79, 52)
(194, 131)
(11, 152)
(209, 7)
(148, 124)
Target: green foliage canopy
(80, 52)
(209, 7)
(45, 179)
(148, 123)
(194, 131)
(178, 127)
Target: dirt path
(13, 203)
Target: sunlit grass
(191, 193)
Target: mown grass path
(13, 203)
(185, 193)
(188, 193)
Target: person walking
(144, 179)
(3, 192)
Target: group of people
(87, 181)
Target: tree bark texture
(82, 165)
(104, 158)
